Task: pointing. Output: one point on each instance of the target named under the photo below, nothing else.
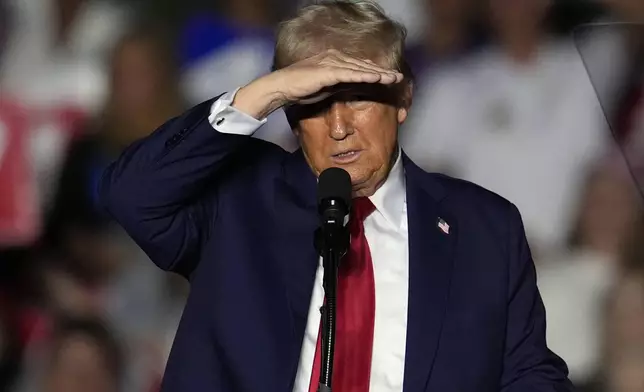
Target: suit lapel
(430, 265)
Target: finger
(335, 58)
(368, 64)
(383, 77)
(348, 75)
(399, 75)
(363, 63)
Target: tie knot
(362, 208)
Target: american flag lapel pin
(443, 225)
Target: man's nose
(338, 119)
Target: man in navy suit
(438, 290)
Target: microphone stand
(332, 242)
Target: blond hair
(359, 28)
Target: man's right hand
(302, 82)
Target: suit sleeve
(163, 188)
(529, 366)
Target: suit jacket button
(172, 141)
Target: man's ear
(405, 100)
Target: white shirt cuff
(227, 119)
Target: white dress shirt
(386, 232)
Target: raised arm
(529, 366)
(163, 189)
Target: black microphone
(334, 197)
(331, 242)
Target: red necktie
(355, 313)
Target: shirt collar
(390, 198)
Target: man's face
(355, 129)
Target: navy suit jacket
(236, 216)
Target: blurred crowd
(540, 101)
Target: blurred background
(510, 94)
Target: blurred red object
(26, 324)
(19, 220)
(71, 121)
(20, 204)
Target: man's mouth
(346, 156)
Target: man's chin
(361, 183)
(361, 176)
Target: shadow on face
(355, 127)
